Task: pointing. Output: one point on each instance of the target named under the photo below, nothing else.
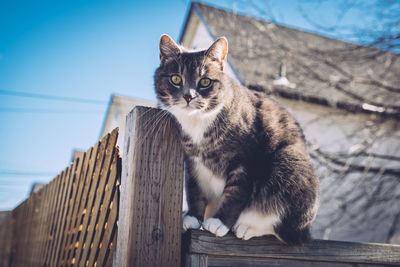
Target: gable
(319, 69)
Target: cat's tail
(293, 236)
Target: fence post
(150, 215)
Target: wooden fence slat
(35, 224)
(85, 210)
(75, 203)
(103, 209)
(54, 216)
(75, 175)
(149, 226)
(92, 220)
(26, 206)
(81, 197)
(14, 215)
(110, 234)
(88, 201)
(26, 233)
(6, 231)
(102, 205)
(18, 233)
(45, 220)
(64, 210)
(59, 211)
(202, 242)
(46, 233)
(42, 218)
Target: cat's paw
(216, 227)
(190, 222)
(244, 231)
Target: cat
(247, 168)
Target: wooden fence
(73, 220)
(5, 237)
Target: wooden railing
(73, 220)
(204, 249)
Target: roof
(318, 69)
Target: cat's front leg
(196, 203)
(234, 198)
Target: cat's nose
(188, 98)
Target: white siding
(203, 40)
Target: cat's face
(190, 82)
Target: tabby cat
(247, 168)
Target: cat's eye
(175, 79)
(204, 83)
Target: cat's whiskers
(155, 123)
(151, 125)
(144, 113)
(155, 127)
(161, 123)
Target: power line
(26, 173)
(53, 97)
(50, 111)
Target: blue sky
(87, 50)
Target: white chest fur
(211, 184)
(194, 122)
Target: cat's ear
(218, 51)
(168, 48)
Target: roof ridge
(290, 27)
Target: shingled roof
(301, 65)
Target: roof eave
(353, 108)
(186, 22)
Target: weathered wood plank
(93, 222)
(69, 179)
(72, 205)
(76, 205)
(202, 242)
(77, 226)
(103, 207)
(35, 225)
(44, 207)
(149, 226)
(6, 237)
(54, 217)
(233, 261)
(28, 225)
(197, 260)
(89, 198)
(59, 211)
(46, 234)
(109, 237)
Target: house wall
(355, 205)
